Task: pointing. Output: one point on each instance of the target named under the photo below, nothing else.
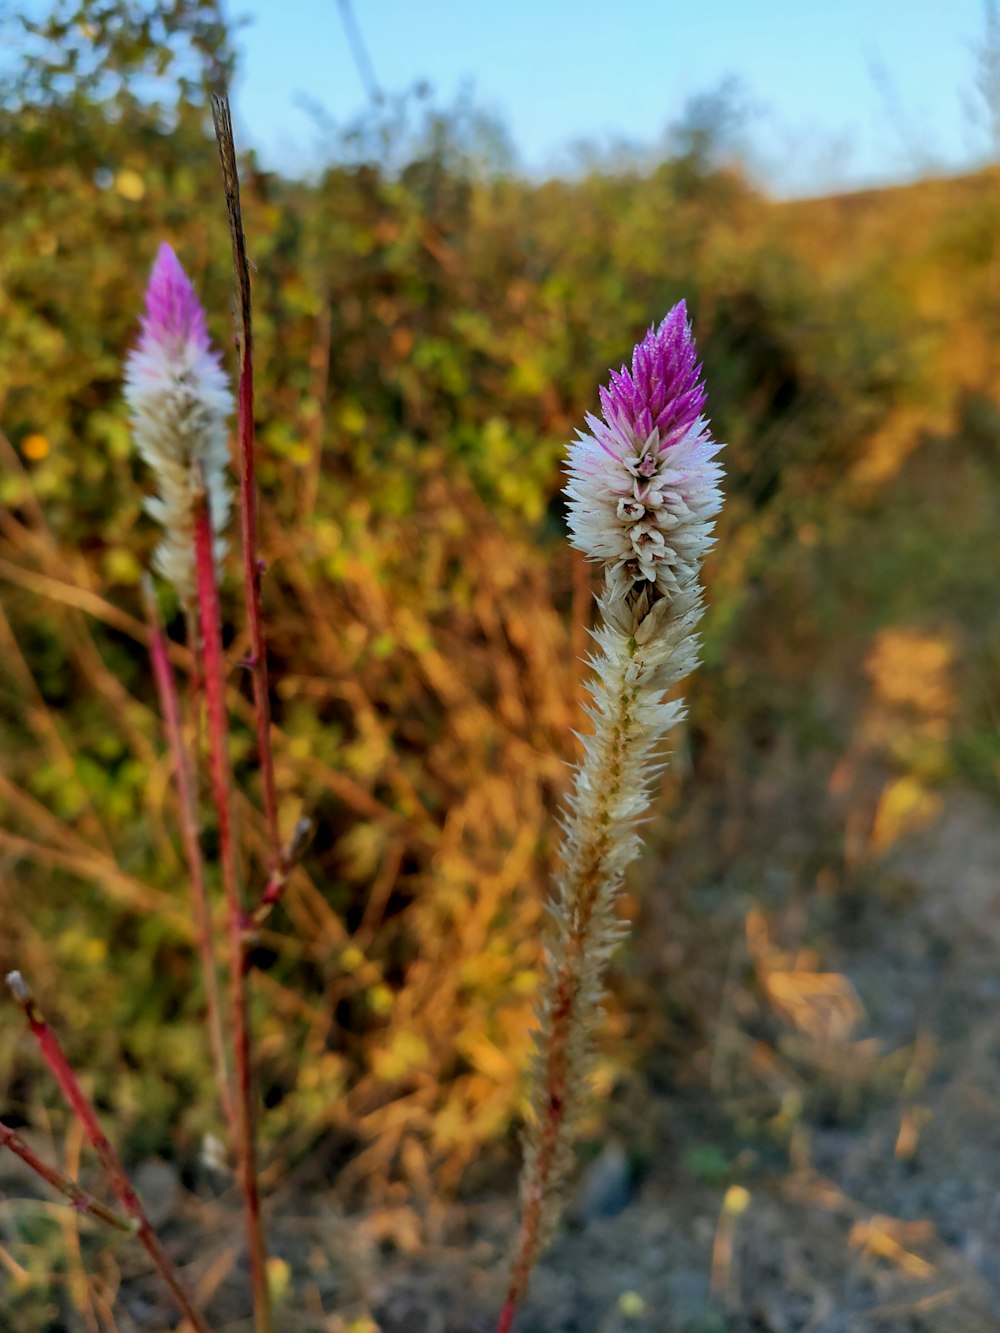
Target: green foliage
(708, 1163)
(74, 51)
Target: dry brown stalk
(252, 564)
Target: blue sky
(845, 93)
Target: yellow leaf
(913, 670)
(905, 806)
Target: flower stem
(598, 845)
(291, 855)
(218, 736)
(170, 709)
(78, 1197)
(506, 1320)
(252, 565)
(84, 1111)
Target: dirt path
(873, 1195)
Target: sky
(840, 94)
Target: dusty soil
(810, 1140)
(873, 1190)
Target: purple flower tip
(663, 390)
(173, 312)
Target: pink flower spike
(179, 399)
(173, 312)
(643, 484)
(663, 390)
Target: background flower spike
(179, 400)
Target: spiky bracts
(643, 489)
(179, 399)
(644, 486)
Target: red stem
(553, 1115)
(170, 709)
(80, 1199)
(218, 736)
(506, 1320)
(54, 1057)
(555, 1076)
(275, 887)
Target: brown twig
(252, 565)
(213, 662)
(79, 1198)
(187, 798)
(291, 855)
(76, 1098)
(71, 595)
(101, 871)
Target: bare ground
(822, 1152)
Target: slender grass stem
(118, 1180)
(252, 564)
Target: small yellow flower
(35, 447)
(631, 1305)
(737, 1201)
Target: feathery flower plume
(179, 399)
(643, 490)
(643, 485)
